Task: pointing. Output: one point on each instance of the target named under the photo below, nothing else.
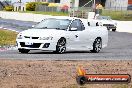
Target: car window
(78, 24)
(60, 24)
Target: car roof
(63, 17)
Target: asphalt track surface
(15, 25)
(119, 48)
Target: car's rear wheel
(97, 45)
(114, 29)
(23, 50)
(61, 46)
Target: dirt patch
(57, 74)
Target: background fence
(50, 9)
(82, 12)
(115, 13)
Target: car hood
(106, 21)
(42, 32)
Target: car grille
(108, 25)
(31, 37)
(35, 45)
(35, 37)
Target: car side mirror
(73, 29)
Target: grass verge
(7, 37)
(118, 15)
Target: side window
(74, 24)
(77, 24)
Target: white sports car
(103, 21)
(61, 35)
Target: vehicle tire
(61, 46)
(81, 80)
(23, 50)
(97, 45)
(114, 29)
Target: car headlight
(45, 38)
(19, 37)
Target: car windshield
(60, 24)
(104, 17)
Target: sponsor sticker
(84, 78)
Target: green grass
(118, 15)
(48, 13)
(7, 37)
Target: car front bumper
(110, 26)
(36, 44)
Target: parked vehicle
(61, 35)
(104, 21)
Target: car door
(76, 37)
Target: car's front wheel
(61, 46)
(23, 50)
(97, 45)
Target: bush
(32, 5)
(52, 5)
(8, 8)
(44, 3)
(64, 8)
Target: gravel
(57, 74)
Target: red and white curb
(3, 49)
(10, 48)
